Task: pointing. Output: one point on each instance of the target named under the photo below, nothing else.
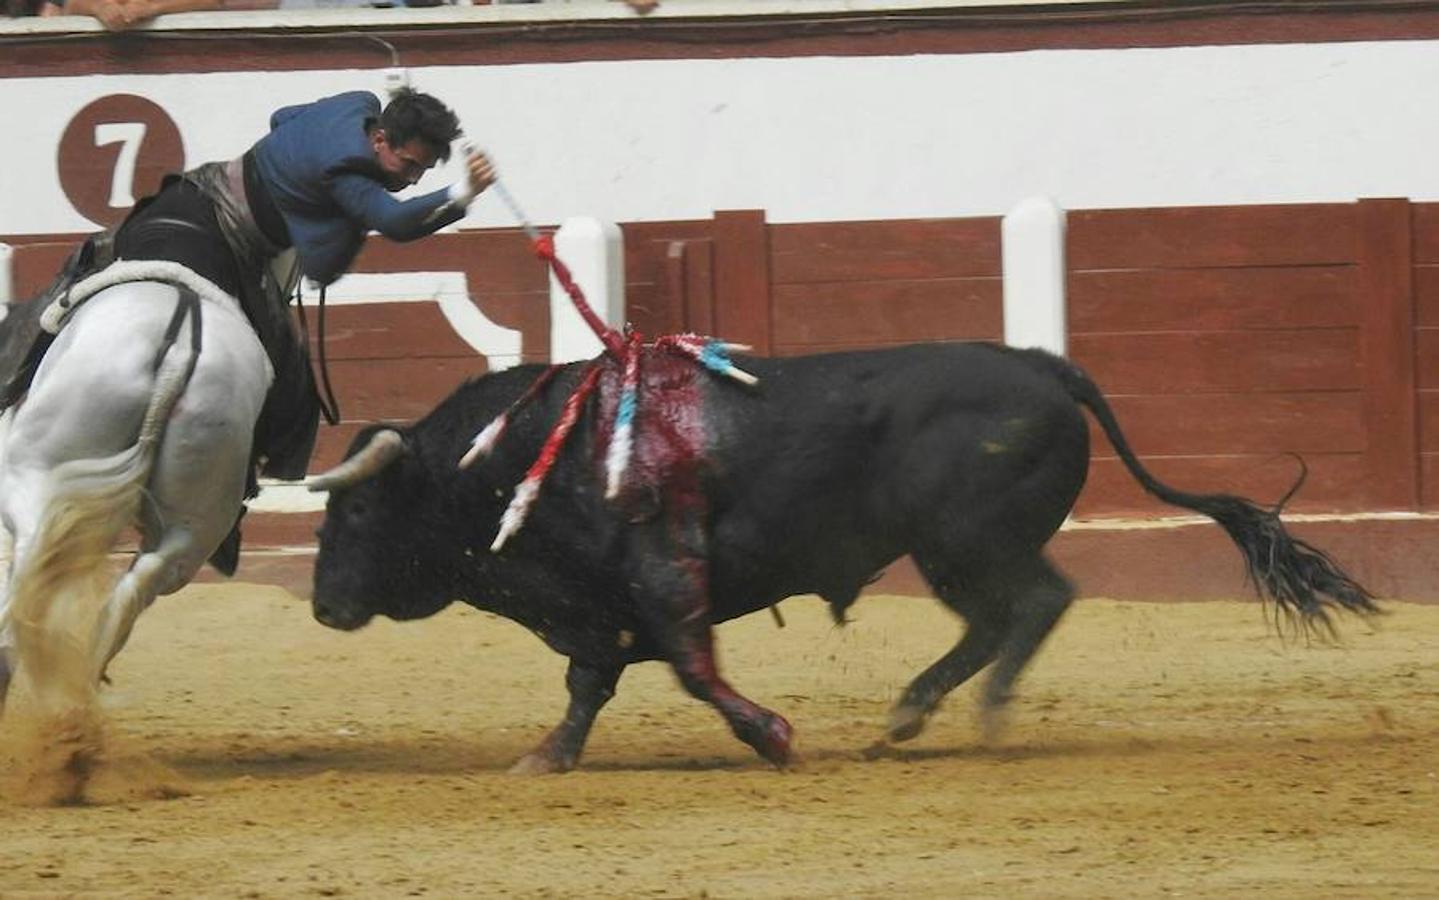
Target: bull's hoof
(993, 723)
(775, 741)
(540, 763)
(881, 749)
(906, 722)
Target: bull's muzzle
(341, 618)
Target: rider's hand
(480, 169)
(479, 174)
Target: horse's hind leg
(197, 484)
(161, 570)
(7, 548)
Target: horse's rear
(142, 412)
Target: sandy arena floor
(1156, 749)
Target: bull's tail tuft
(1302, 582)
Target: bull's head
(378, 538)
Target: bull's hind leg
(1037, 609)
(1008, 612)
(591, 687)
(986, 624)
(670, 575)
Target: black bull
(966, 456)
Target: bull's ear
(384, 447)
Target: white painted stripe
(1170, 522)
(287, 497)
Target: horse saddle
(23, 333)
(22, 343)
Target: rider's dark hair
(411, 114)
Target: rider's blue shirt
(321, 170)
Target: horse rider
(300, 202)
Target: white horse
(141, 413)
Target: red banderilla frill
(628, 350)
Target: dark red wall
(1227, 338)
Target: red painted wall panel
(1226, 337)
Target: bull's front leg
(670, 574)
(591, 687)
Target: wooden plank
(332, 442)
(1429, 481)
(387, 331)
(398, 389)
(1426, 233)
(1335, 482)
(948, 309)
(699, 307)
(1211, 299)
(662, 309)
(1386, 342)
(896, 249)
(1211, 236)
(493, 260)
(1426, 295)
(838, 347)
(1428, 403)
(649, 309)
(1175, 363)
(35, 265)
(646, 244)
(1426, 358)
(742, 278)
(1229, 424)
(394, 330)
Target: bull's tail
(1300, 580)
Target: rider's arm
(366, 201)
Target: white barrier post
(1034, 270)
(594, 252)
(7, 276)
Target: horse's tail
(1298, 578)
(89, 502)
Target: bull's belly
(742, 585)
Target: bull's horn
(385, 446)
